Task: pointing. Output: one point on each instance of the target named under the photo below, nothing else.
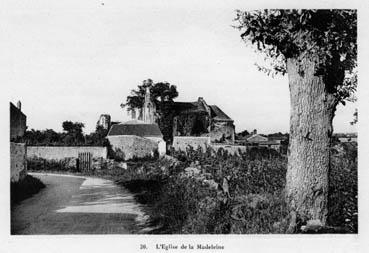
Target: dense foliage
(343, 188)
(72, 136)
(46, 165)
(329, 34)
(255, 201)
(318, 51)
(24, 188)
(162, 94)
(74, 132)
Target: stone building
(18, 161)
(191, 119)
(200, 119)
(257, 140)
(147, 113)
(104, 121)
(149, 109)
(18, 151)
(18, 121)
(136, 139)
(346, 137)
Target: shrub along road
(77, 205)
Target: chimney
(19, 105)
(255, 131)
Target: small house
(136, 139)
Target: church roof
(197, 107)
(189, 107)
(135, 128)
(257, 138)
(218, 114)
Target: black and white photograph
(173, 126)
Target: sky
(75, 60)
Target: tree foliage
(97, 138)
(243, 133)
(73, 127)
(72, 136)
(161, 92)
(74, 132)
(318, 50)
(354, 121)
(329, 34)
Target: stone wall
(231, 149)
(18, 122)
(191, 124)
(162, 146)
(60, 153)
(18, 161)
(182, 142)
(222, 132)
(127, 147)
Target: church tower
(149, 109)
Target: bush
(40, 164)
(119, 156)
(254, 176)
(343, 190)
(181, 204)
(255, 203)
(249, 197)
(24, 188)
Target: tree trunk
(312, 111)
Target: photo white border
(232, 243)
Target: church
(191, 119)
(200, 119)
(141, 136)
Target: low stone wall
(162, 146)
(222, 131)
(18, 161)
(183, 142)
(231, 149)
(127, 147)
(60, 153)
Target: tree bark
(312, 112)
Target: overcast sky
(75, 60)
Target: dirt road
(77, 205)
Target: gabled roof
(218, 114)
(15, 110)
(257, 138)
(197, 107)
(142, 130)
(188, 107)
